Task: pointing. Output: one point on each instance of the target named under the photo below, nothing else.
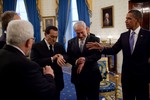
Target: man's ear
(28, 43)
(44, 33)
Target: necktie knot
(51, 50)
(81, 45)
(132, 34)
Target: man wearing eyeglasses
(49, 52)
(22, 79)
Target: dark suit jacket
(41, 54)
(21, 79)
(91, 34)
(90, 71)
(2, 40)
(135, 66)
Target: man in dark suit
(6, 18)
(49, 52)
(85, 72)
(88, 31)
(21, 79)
(135, 68)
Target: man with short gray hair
(85, 72)
(21, 78)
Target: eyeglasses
(51, 36)
(33, 39)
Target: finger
(90, 42)
(63, 60)
(60, 63)
(43, 70)
(78, 71)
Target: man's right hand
(94, 45)
(48, 70)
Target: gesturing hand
(94, 45)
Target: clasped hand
(80, 64)
(60, 60)
(48, 70)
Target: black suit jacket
(21, 79)
(135, 66)
(90, 71)
(2, 40)
(41, 54)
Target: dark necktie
(81, 45)
(51, 50)
(132, 41)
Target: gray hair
(79, 24)
(18, 32)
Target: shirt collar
(82, 40)
(5, 32)
(48, 45)
(17, 48)
(137, 30)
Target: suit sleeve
(41, 85)
(35, 56)
(93, 55)
(114, 49)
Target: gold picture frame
(108, 17)
(48, 21)
(1, 8)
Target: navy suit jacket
(21, 79)
(135, 66)
(90, 71)
(41, 54)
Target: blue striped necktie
(131, 40)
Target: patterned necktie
(81, 45)
(51, 50)
(132, 41)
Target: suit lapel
(45, 49)
(87, 39)
(84, 47)
(139, 40)
(56, 48)
(126, 40)
(77, 44)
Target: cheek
(81, 35)
(130, 23)
(54, 39)
(78, 35)
(49, 40)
